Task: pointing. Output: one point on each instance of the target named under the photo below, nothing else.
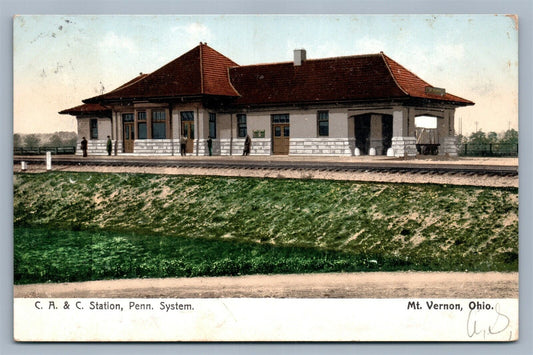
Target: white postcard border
(265, 319)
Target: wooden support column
(135, 125)
(149, 123)
(168, 134)
(197, 129)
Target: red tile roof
(204, 71)
(201, 70)
(215, 78)
(132, 81)
(413, 86)
(88, 109)
(351, 78)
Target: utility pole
(476, 125)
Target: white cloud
(326, 50)
(114, 42)
(198, 30)
(193, 33)
(368, 45)
(317, 51)
(451, 51)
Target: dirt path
(332, 285)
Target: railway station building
(341, 106)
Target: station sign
(435, 91)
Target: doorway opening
(373, 131)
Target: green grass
(191, 226)
(65, 256)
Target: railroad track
(380, 167)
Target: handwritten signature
(487, 322)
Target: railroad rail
(399, 167)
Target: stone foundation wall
(404, 146)
(449, 147)
(322, 146)
(260, 146)
(94, 147)
(154, 147)
(229, 148)
(204, 150)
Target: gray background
(524, 9)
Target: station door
(129, 137)
(187, 130)
(281, 132)
(281, 138)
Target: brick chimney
(299, 57)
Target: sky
(60, 60)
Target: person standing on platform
(109, 145)
(183, 145)
(210, 145)
(247, 145)
(84, 146)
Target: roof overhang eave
(442, 101)
(169, 98)
(83, 114)
(323, 102)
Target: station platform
(422, 159)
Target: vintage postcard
(265, 178)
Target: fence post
(48, 161)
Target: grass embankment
(85, 226)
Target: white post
(23, 165)
(48, 160)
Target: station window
(280, 118)
(241, 125)
(141, 125)
(159, 125)
(142, 132)
(94, 128)
(187, 116)
(127, 117)
(213, 125)
(323, 123)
